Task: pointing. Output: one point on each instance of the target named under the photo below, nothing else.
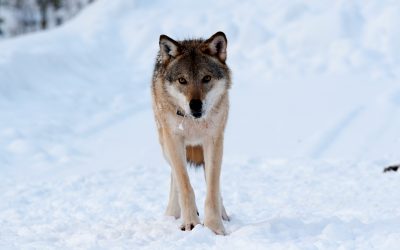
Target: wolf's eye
(206, 79)
(182, 80)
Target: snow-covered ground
(315, 116)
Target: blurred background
(18, 17)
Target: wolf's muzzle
(196, 107)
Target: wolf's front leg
(213, 206)
(177, 156)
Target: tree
(23, 16)
(2, 4)
(1, 24)
(44, 6)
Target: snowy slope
(314, 118)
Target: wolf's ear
(216, 45)
(169, 48)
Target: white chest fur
(194, 131)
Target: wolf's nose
(196, 106)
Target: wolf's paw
(189, 225)
(216, 226)
(190, 221)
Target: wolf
(190, 86)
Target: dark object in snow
(393, 168)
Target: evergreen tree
(22, 16)
(44, 6)
(1, 26)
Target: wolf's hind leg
(173, 208)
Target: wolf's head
(194, 72)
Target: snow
(315, 112)
(276, 204)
